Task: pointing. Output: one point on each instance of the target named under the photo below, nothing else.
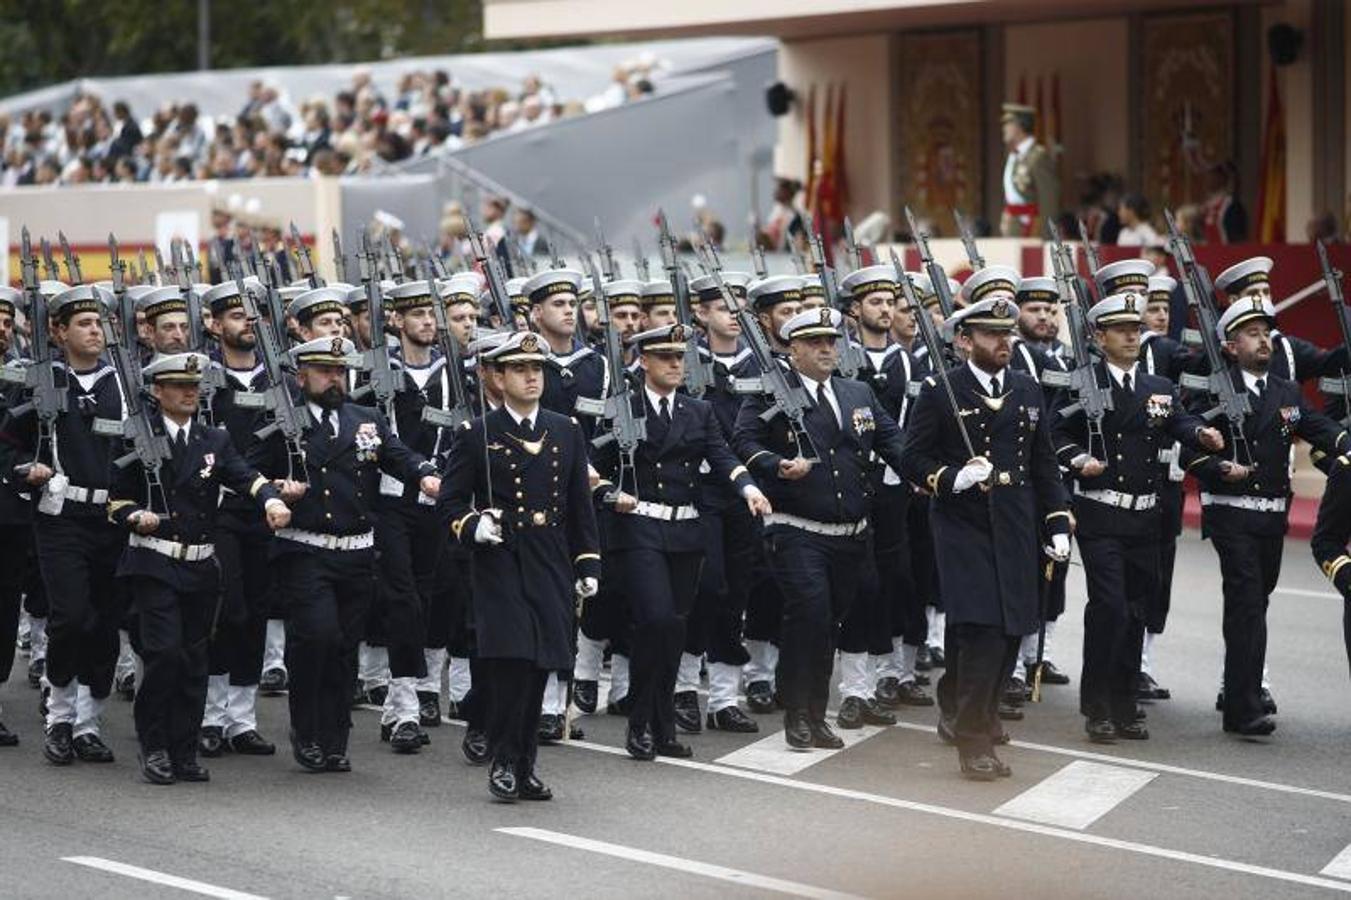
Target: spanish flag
(1271, 192)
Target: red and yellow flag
(1271, 187)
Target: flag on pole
(1271, 189)
(810, 179)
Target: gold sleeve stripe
(115, 505)
(1060, 513)
(1330, 569)
(737, 473)
(1199, 459)
(583, 556)
(458, 525)
(932, 481)
(258, 484)
(756, 456)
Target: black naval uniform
(567, 376)
(524, 607)
(654, 553)
(1118, 531)
(18, 566)
(816, 539)
(175, 584)
(326, 566)
(987, 542)
(1246, 522)
(1331, 533)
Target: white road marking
(1077, 795)
(680, 864)
(1302, 592)
(771, 754)
(173, 881)
(996, 821)
(1340, 867)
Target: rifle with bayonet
(1094, 399)
(46, 400)
(492, 274)
(1337, 385)
(340, 259)
(382, 382)
(853, 256)
(270, 278)
(143, 276)
(699, 373)
(72, 261)
(303, 258)
(460, 411)
(850, 355)
(1196, 284)
(162, 273)
(938, 277)
(213, 378)
(799, 261)
(126, 306)
(608, 267)
(787, 399)
(640, 266)
(48, 264)
(1090, 251)
(973, 255)
(757, 255)
(195, 274)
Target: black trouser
(866, 626)
(818, 577)
(328, 594)
(605, 617)
(660, 588)
(16, 547)
(1121, 575)
(979, 658)
(1171, 499)
(173, 628)
(923, 560)
(715, 623)
(449, 616)
(246, 581)
(1249, 568)
(410, 544)
(78, 556)
(515, 690)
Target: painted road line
(173, 881)
(679, 864)
(1077, 795)
(1302, 592)
(1340, 867)
(771, 754)
(961, 815)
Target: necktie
(1261, 386)
(527, 425)
(994, 386)
(181, 441)
(823, 400)
(1126, 382)
(328, 424)
(665, 410)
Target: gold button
(519, 495)
(520, 509)
(328, 515)
(518, 479)
(538, 518)
(1004, 478)
(658, 465)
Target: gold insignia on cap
(678, 333)
(825, 316)
(529, 344)
(1257, 304)
(1000, 308)
(1130, 303)
(191, 365)
(336, 348)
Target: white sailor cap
(1243, 310)
(50, 287)
(666, 339)
(291, 292)
(1038, 289)
(925, 288)
(765, 293)
(1239, 277)
(1161, 288)
(997, 313)
(623, 292)
(409, 295)
(991, 281)
(706, 288)
(658, 293)
(541, 286)
(225, 295)
(870, 280)
(161, 300)
(11, 299)
(822, 321)
(80, 299)
(1118, 309)
(518, 347)
(812, 288)
(327, 351)
(1123, 275)
(318, 301)
(486, 339)
(462, 287)
(176, 367)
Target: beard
(331, 397)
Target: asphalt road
(1190, 813)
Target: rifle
(162, 272)
(276, 309)
(1090, 252)
(625, 428)
(138, 425)
(126, 307)
(194, 269)
(969, 241)
(1339, 385)
(757, 256)
(608, 267)
(799, 261)
(1232, 403)
(382, 381)
(520, 266)
(787, 398)
(1093, 399)
(851, 251)
(287, 417)
(699, 374)
(145, 269)
(640, 266)
(48, 264)
(492, 274)
(339, 260)
(461, 411)
(850, 356)
(214, 377)
(46, 401)
(72, 261)
(303, 259)
(938, 278)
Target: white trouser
(1147, 653)
(25, 626)
(61, 703)
(372, 666)
(855, 678)
(619, 678)
(460, 679)
(241, 710)
(555, 701)
(216, 712)
(126, 658)
(764, 658)
(274, 645)
(37, 634)
(590, 656)
(724, 683)
(937, 622)
(400, 702)
(1027, 652)
(687, 675)
(435, 660)
(907, 656)
(87, 713)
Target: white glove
(587, 588)
(1060, 547)
(972, 474)
(487, 531)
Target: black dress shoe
(1100, 731)
(796, 730)
(7, 737)
(502, 783)
(980, 767)
(550, 728)
(887, 692)
(191, 771)
(337, 762)
(251, 743)
(1146, 688)
(911, 694)
(937, 658)
(618, 707)
(674, 749)
(423, 738)
(56, 747)
(586, 694)
(272, 682)
(36, 669)
(126, 686)
(998, 736)
(156, 768)
(1015, 692)
(211, 741)
(91, 749)
(1268, 702)
(1009, 712)
(531, 788)
(1258, 727)
(377, 695)
(1051, 674)
(732, 719)
(922, 680)
(1001, 768)
(405, 738)
(760, 697)
(1133, 730)
(429, 709)
(308, 755)
(946, 734)
(850, 715)
(687, 717)
(575, 732)
(1219, 702)
(874, 714)
(474, 747)
(822, 737)
(638, 742)
(923, 661)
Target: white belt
(85, 495)
(665, 511)
(832, 529)
(328, 541)
(1167, 455)
(1118, 499)
(1257, 504)
(173, 549)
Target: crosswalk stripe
(163, 878)
(1340, 867)
(771, 754)
(1077, 795)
